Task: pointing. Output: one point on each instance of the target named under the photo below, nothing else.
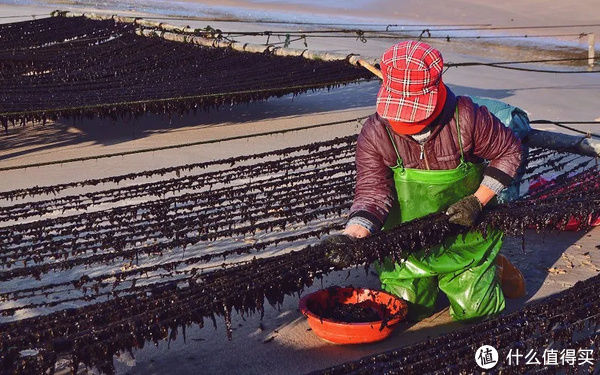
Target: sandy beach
(281, 342)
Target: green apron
(463, 266)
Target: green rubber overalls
(463, 266)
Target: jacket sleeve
(373, 192)
(498, 144)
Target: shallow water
(253, 10)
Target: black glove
(339, 249)
(465, 212)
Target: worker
(424, 151)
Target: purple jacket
(483, 137)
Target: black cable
(225, 20)
(26, 16)
(560, 125)
(426, 30)
(125, 153)
(379, 35)
(541, 70)
(476, 63)
(453, 27)
(565, 122)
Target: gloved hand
(339, 249)
(465, 212)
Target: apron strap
(462, 154)
(399, 162)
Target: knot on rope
(425, 32)
(360, 35)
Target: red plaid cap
(412, 72)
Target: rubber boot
(512, 280)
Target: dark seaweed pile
(75, 67)
(341, 306)
(156, 279)
(362, 312)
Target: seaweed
(283, 190)
(81, 68)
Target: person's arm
(495, 142)
(373, 191)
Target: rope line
(182, 145)
(283, 131)
(353, 31)
(541, 70)
(560, 124)
(231, 20)
(26, 16)
(501, 65)
(475, 63)
(453, 27)
(376, 35)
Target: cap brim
(410, 128)
(403, 128)
(406, 108)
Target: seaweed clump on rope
(77, 67)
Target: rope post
(591, 49)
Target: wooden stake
(591, 49)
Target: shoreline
(459, 50)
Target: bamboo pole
(370, 68)
(185, 35)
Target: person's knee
(420, 294)
(482, 306)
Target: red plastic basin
(352, 333)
